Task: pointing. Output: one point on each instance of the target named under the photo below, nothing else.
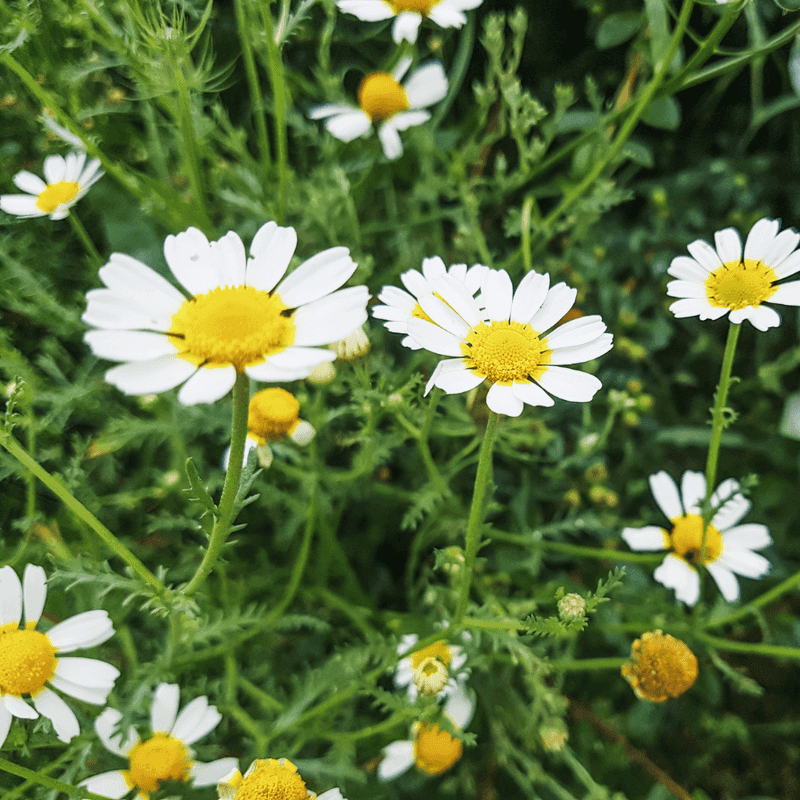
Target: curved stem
(586, 664)
(600, 553)
(754, 648)
(82, 234)
(227, 503)
(50, 783)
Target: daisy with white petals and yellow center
(166, 755)
(728, 547)
(66, 181)
(243, 315)
(500, 338)
(31, 661)
(269, 779)
(387, 104)
(410, 13)
(435, 670)
(400, 306)
(725, 280)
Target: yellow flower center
(161, 758)
(272, 414)
(27, 661)
(272, 780)
(381, 96)
(236, 325)
(505, 352)
(739, 284)
(660, 667)
(420, 6)
(55, 194)
(687, 539)
(435, 750)
(436, 650)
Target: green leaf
(788, 5)
(663, 113)
(198, 491)
(617, 28)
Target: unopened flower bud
(431, 676)
(553, 737)
(571, 605)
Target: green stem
(83, 513)
(586, 664)
(50, 783)
(83, 235)
(754, 648)
(476, 511)
(227, 503)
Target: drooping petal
(453, 377)
(108, 784)
(150, 377)
(207, 385)
(502, 400)
(428, 85)
(349, 125)
(725, 580)
(460, 706)
(34, 592)
(569, 384)
(406, 27)
(127, 345)
(17, 707)
(390, 140)
(677, 574)
(665, 493)
(763, 317)
(212, 772)
(532, 394)
(366, 10)
(106, 725)
(397, 759)
(650, 537)
(50, 705)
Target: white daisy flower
(272, 415)
(431, 749)
(32, 661)
(268, 778)
(166, 755)
(500, 338)
(410, 13)
(240, 318)
(66, 181)
(451, 656)
(716, 281)
(401, 306)
(388, 105)
(729, 547)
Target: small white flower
(270, 778)
(243, 315)
(724, 280)
(451, 655)
(382, 101)
(728, 549)
(401, 306)
(32, 661)
(351, 347)
(166, 755)
(500, 338)
(66, 181)
(410, 13)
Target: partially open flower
(269, 779)
(660, 667)
(571, 605)
(351, 347)
(431, 676)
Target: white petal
(397, 759)
(583, 352)
(350, 125)
(73, 166)
(650, 537)
(677, 574)
(30, 183)
(732, 505)
(576, 332)
(460, 706)
(20, 205)
(743, 562)
(729, 245)
(560, 299)
(434, 338)
(781, 248)
(271, 251)
(443, 315)
(266, 373)
(690, 289)
(150, 377)
(787, 294)
(705, 254)
(109, 784)
(91, 174)
(88, 672)
(55, 168)
(229, 260)
(459, 298)
(96, 697)
(687, 269)
(789, 266)
(433, 268)
(50, 705)
(404, 120)
(399, 301)
(696, 307)
(693, 490)
(529, 296)
(331, 794)
(406, 27)
(331, 317)
(128, 345)
(105, 726)
(17, 707)
(83, 630)
(402, 67)
(10, 597)
(497, 295)
(569, 384)
(35, 592)
(502, 400)
(318, 276)
(110, 311)
(207, 385)
(329, 109)
(751, 536)
(762, 317)
(5, 723)
(196, 720)
(301, 358)
(532, 395)
(665, 493)
(366, 10)
(760, 238)
(725, 580)
(390, 140)
(428, 85)
(189, 257)
(303, 433)
(213, 772)
(454, 378)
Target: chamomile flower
(166, 755)
(387, 105)
(728, 548)
(66, 180)
(724, 280)
(450, 656)
(270, 778)
(242, 316)
(660, 667)
(400, 306)
(410, 13)
(31, 661)
(501, 338)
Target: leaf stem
(83, 235)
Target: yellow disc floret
(272, 414)
(505, 352)
(161, 758)
(660, 667)
(420, 6)
(381, 96)
(272, 779)
(739, 284)
(55, 194)
(438, 650)
(435, 750)
(27, 661)
(236, 325)
(687, 539)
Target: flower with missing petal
(501, 338)
(242, 315)
(660, 667)
(409, 14)
(32, 661)
(400, 306)
(166, 755)
(387, 105)
(66, 181)
(728, 547)
(270, 779)
(725, 280)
